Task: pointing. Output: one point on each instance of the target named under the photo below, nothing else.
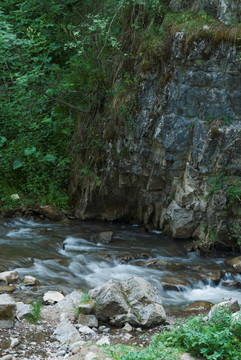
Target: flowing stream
(62, 257)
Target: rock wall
(187, 131)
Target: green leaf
(50, 158)
(2, 140)
(29, 151)
(18, 163)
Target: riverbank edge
(40, 212)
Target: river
(62, 257)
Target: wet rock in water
(104, 237)
(235, 263)
(107, 257)
(124, 259)
(66, 333)
(9, 276)
(212, 275)
(52, 297)
(133, 300)
(232, 283)
(156, 263)
(7, 311)
(228, 305)
(29, 280)
(7, 288)
(170, 284)
(199, 306)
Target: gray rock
(103, 341)
(68, 304)
(7, 311)
(86, 330)
(77, 344)
(176, 148)
(127, 327)
(235, 263)
(104, 237)
(9, 276)
(23, 309)
(133, 300)
(29, 280)
(88, 320)
(66, 333)
(228, 305)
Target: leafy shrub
(216, 339)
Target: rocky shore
(84, 325)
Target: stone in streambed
(199, 306)
(7, 288)
(7, 311)
(232, 283)
(235, 263)
(104, 237)
(170, 284)
(211, 275)
(29, 280)
(9, 276)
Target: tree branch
(58, 100)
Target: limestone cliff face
(173, 171)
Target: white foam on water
(19, 233)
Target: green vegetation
(62, 63)
(69, 88)
(85, 298)
(230, 186)
(35, 314)
(216, 339)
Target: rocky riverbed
(80, 325)
(65, 329)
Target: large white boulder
(134, 300)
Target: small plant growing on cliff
(35, 314)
